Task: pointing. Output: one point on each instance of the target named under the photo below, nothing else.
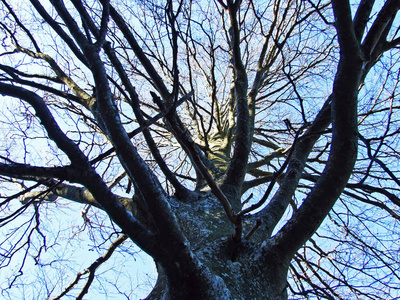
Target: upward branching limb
(273, 212)
(140, 54)
(380, 28)
(135, 104)
(58, 29)
(344, 140)
(361, 17)
(244, 122)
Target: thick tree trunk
(242, 279)
(255, 272)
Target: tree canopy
(250, 148)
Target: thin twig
(92, 269)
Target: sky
(68, 239)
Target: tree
(249, 147)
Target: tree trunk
(255, 271)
